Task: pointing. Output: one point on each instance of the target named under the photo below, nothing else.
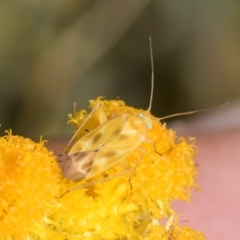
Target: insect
(109, 143)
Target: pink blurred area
(215, 210)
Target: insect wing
(82, 155)
(115, 151)
(98, 137)
(78, 165)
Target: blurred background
(54, 53)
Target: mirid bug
(110, 142)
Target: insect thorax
(137, 124)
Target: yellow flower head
(36, 203)
(117, 208)
(29, 176)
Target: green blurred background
(54, 53)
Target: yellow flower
(116, 209)
(29, 176)
(34, 207)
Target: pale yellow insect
(109, 143)
(103, 147)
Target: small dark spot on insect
(87, 165)
(96, 138)
(123, 137)
(110, 154)
(79, 156)
(117, 131)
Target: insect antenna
(152, 77)
(195, 111)
(176, 114)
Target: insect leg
(136, 165)
(139, 159)
(98, 181)
(102, 117)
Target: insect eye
(149, 125)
